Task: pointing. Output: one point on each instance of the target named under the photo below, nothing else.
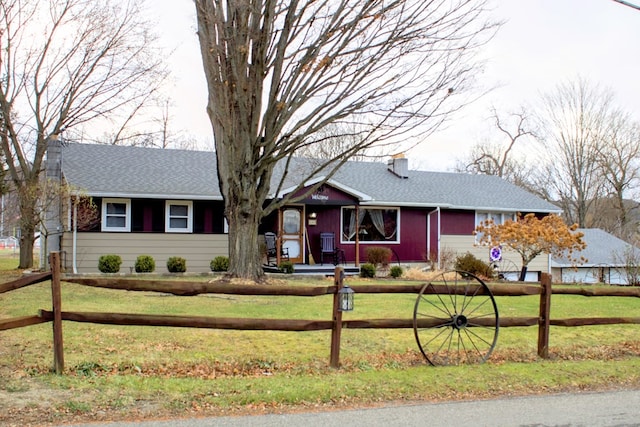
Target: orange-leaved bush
(531, 236)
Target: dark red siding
(327, 195)
(460, 223)
(413, 235)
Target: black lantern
(345, 298)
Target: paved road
(611, 409)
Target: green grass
(9, 260)
(173, 370)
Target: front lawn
(118, 372)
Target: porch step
(317, 269)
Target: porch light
(313, 218)
(345, 298)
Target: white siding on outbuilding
(591, 275)
(606, 260)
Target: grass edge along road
(116, 373)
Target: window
(380, 225)
(179, 217)
(497, 217)
(116, 215)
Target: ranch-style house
(166, 202)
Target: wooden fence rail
(28, 280)
(190, 288)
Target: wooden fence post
(56, 299)
(336, 331)
(545, 316)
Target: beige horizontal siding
(460, 245)
(197, 249)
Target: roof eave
(336, 184)
(116, 195)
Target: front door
(292, 234)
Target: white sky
(542, 43)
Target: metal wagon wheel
(455, 320)
(506, 270)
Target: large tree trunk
(244, 247)
(27, 232)
(244, 191)
(26, 250)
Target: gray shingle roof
(118, 171)
(108, 170)
(453, 190)
(603, 249)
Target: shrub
(396, 271)
(176, 264)
(109, 263)
(367, 270)
(219, 263)
(145, 264)
(286, 267)
(378, 255)
(473, 265)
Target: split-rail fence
(186, 288)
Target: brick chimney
(399, 165)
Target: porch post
(278, 237)
(357, 261)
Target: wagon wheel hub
(459, 321)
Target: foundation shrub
(286, 267)
(109, 263)
(220, 263)
(469, 263)
(378, 255)
(396, 271)
(145, 264)
(176, 264)
(368, 270)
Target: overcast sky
(542, 43)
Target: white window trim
(371, 242)
(167, 222)
(503, 216)
(127, 203)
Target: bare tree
(332, 140)
(155, 130)
(498, 158)
(65, 64)
(165, 136)
(629, 259)
(619, 157)
(575, 118)
(280, 71)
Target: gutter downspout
(439, 235)
(357, 258)
(75, 237)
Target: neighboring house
(608, 260)
(167, 203)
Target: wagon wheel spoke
(455, 320)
